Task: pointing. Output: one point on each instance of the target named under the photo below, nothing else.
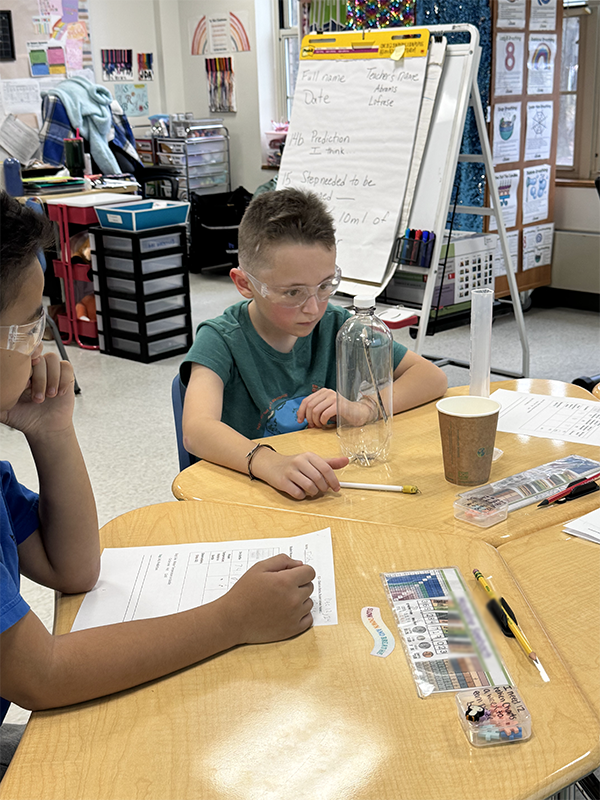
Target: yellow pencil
(515, 629)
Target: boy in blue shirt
(267, 365)
(53, 538)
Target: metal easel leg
(495, 202)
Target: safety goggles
(296, 296)
(23, 338)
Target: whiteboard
(350, 141)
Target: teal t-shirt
(263, 388)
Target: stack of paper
(586, 527)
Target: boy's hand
(319, 408)
(46, 405)
(300, 475)
(271, 601)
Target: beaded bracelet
(251, 455)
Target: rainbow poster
(227, 34)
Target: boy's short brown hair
(286, 217)
(23, 233)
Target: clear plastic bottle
(364, 351)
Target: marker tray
(493, 715)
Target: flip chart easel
(422, 196)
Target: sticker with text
(384, 641)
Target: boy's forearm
(215, 441)
(80, 666)
(67, 510)
(420, 384)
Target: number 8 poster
(509, 64)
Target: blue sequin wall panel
(470, 178)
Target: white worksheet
(145, 582)
(586, 527)
(568, 418)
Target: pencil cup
(468, 432)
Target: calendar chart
(447, 647)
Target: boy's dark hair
(23, 233)
(287, 217)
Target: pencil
(380, 487)
(515, 629)
(569, 489)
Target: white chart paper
(540, 63)
(537, 245)
(538, 136)
(507, 132)
(508, 187)
(511, 14)
(513, 248)
(536, 183)
(146, 582)
(509, 63)
(351, 141)
(543, 15)
(568, 418)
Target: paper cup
(468, 431)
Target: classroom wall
(130, 25)
(244, 125)
(576, 256)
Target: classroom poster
(46, 58)
(117, 65)
(509, 63)
(507, 133)
(42, 25)
(511, 14)
(537, 245)
(21, 96)
(201, 34)
(513, 249)
(508, 188)
(70, 11)
(543, 16)
(218, 33)
(74, 54)
(536, 182)
(538, 137)
(50, 7)
(540, 63)
(133, 98)
(145, 67)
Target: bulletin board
(523, 126)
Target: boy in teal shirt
(267, 365)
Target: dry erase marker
(381, 487)
(423, 259)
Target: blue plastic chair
(177, 397)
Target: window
(578, 146)
(288, 54)
(569, 65)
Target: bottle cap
(364, 301)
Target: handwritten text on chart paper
(350, 141)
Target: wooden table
(316, 716)
(416, 458)
(560, 575)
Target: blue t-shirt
(18, 520)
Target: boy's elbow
(83, 581)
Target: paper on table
(568, 418)
(145, 582)
(586, 527)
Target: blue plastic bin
(143, 216)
